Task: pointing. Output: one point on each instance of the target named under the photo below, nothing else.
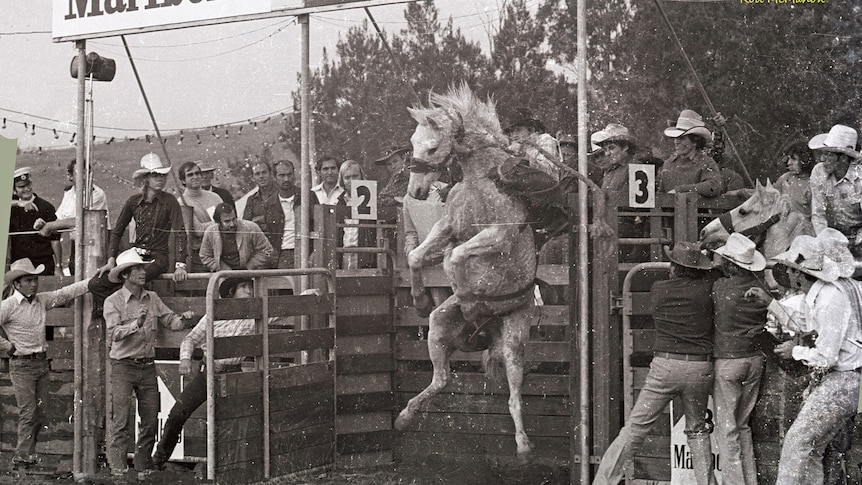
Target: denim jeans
(667, 379)
(128, 377)
(826, 409)
(737, 383)
(30, 383)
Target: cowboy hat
(741, 251)
(229, 285)
(814, 256)
(840, 139)
(205, 166)
(21, 174)
(689, 123)
(127, 259)
(688, 254)
(151, 163)
(613, 132)
(21, 268)
(392, 148)
(524, 117)
(566, 139)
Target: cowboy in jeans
(738, 363)
(821, 267)
(22, 338)
(133, 316)
(681, 367)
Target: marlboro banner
(681, 469)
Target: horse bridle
(726, 221)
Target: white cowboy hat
(21, 268)
(205, 166)
(814, 256)
(689, 123)
(688, 254)
(613, 132)
(840, 139)
(128, 258)
(151, 163)
(742, 252)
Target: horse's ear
(757, 184)
(768, 183)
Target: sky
(194, 78)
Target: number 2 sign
(641, 185)
(363, 199)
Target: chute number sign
(641, 185)
(363, 199)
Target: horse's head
(763, 209)
(433, 138)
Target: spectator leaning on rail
(836, 185)
(67, 213)
(203, 203)
(208, 173)
(690, 169)
(681, 367)
(821, 267)
(29, 213)
(132, 318)
(234, 243)
(157, 215)
(738, 363)
(22, 338)
(195, 391)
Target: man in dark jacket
(30, 212)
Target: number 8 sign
(641, 185)
(363, 199)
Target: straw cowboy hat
(392, 148)
(840, 139)
(613, 132)
(688, 123)
(826, 257)
(20, 268)
(126, 259)
(688, 254)
(227, 286)
(741, 251)
(151, 163)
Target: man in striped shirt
(195, 391)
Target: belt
(689, 357)
(36, 356)
(139, 360)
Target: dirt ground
(434, 471)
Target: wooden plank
(60, 349)
(289, 377)
(418, 445)
(238, 406)
(362, 422)
(279, 342)
(365, 442)
(302, 459)
(295, 440)
(489, 404)
(364, 325)
(290, 305)
(363, 305)
(180, 304)
(364, 364)
(367, 285)
(364, 344)
(489, 424)
(366, 460)
(557, 315)
(475, 383)
(303, 418)
(241, 428)
(363, 383)
(370, 402)
(536, 352)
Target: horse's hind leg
(444, 327)
(515, 334)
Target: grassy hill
(114, 163)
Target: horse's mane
(477, 119)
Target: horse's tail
(495, 367)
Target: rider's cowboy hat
(689, 123)
(741, 251)
(126, 259)
(151, 163)
(524, 117)
(205, 166)
(22, 175)
(613, 132)
(688, 254)
(826, 257)
(229, 285)
(391, 149)
(20, 268)
(840, 139)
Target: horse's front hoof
(423, 304)
(525, 457)
(403, 420)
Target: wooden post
(94, 349)
(685, 217)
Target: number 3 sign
(641, 185)
(363, 199)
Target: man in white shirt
(327, 191)
(67, 214)
(289, 199)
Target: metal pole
(305, 155)
(583, 249)
(77, 458)
(212, 290)
(705, 96)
